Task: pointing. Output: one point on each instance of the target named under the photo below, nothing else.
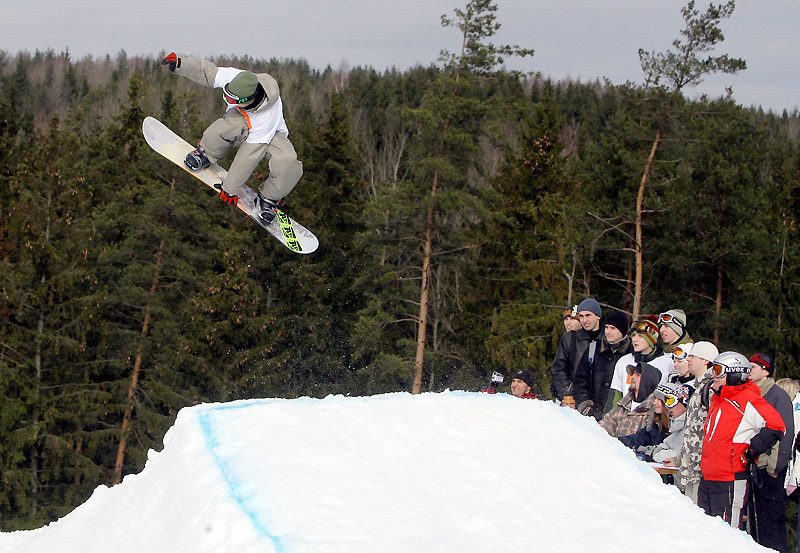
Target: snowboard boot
(267, 208)
(196, 160)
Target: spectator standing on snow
(700, 358)
(591, 384)
(644, 339)
(635, 410)
(769, 474)
(571, 348)
(680, 361)
(741, 426)
(672, 330)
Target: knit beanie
(648, 329)
(526, 376)
(678, 322)
(619, 321)
(590, 304)
(765, 361)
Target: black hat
(619, 321)
(526, 376)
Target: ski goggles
(679, 354)
(233, 99)
(671, 400)
(719, 369)
(665, 318)
(641, 327)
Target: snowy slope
(451, 472)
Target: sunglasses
(667, 318)
(233, 99)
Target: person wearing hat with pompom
(253, 122)
(644, 338)
(769, 475)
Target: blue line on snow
(235, 486)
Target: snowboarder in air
(253, 122)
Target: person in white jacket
(253, 122)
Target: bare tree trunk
(416, 386)
(637, 282)
(137, 367)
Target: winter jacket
(738, 419)
(696, 413)
(634, 411)
(592, 382)
(649, 436)
(780, 454)
(259, 123)
(656, 358)
(571, 348)
(671, 446)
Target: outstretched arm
(201, 71)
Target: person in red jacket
(740, 426)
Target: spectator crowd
(720, 421)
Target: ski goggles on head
(640, 327)
(233, 99)
(679, 354)
(667, 318)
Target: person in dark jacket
(769, 474)
(592, 382)
(571, 348)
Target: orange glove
(228, 199)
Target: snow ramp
(450, 472)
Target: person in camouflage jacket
(635, 410)
(701, 355)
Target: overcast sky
(579, 39)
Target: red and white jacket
(738, 418)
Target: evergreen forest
(460, 209)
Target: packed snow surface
(450, 472)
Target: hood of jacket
(651, 376)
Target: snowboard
(289, 232)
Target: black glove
(749, 456)
(172, 60)
(585, 406)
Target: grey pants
(231, 130)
